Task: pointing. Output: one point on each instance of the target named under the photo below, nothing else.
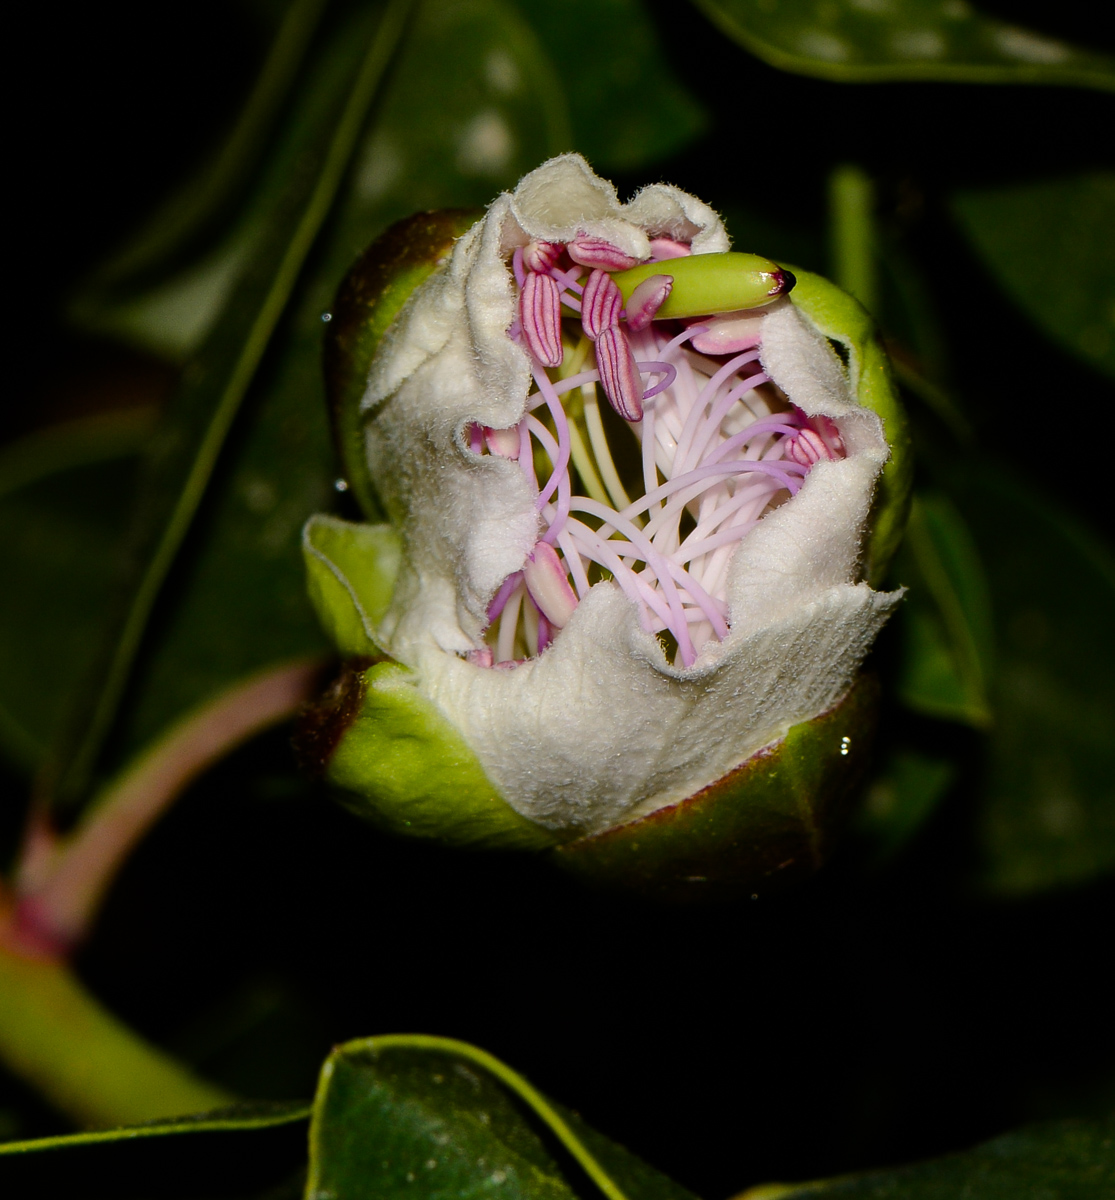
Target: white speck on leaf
(826, 46)
(1019, 43)
(502, 73)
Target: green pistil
(706, 284)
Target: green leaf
(237, 1153)
(234, 1119)
(875, 40)
(628, 107)
(1048, 805)
(184, 453)
(423, 1116)
(1050, 246)
(947, 632)
(1066, 1160)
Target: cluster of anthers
(715, 446)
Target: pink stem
(59, 910)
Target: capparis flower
(635, 503)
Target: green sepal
(844, 320)
(369, 299)
(766, 824)
(350, 576)
(404, 767)
(706, 284)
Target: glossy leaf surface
(1050, 246)
(412, 1116)
(914, 39)
(239, 1153)
(1068, 1160)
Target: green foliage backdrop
(937, 986)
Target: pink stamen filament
(721, 452)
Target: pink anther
(596, 252)
(540, 314)
(601, 304)
(647, 299)
(548, 586)
(619, 375)
(541, 256)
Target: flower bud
(633, 638)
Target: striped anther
(596, 252)
(619, 376)
(601, 304)
(540, 316)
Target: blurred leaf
(1048, 815)
(414, 1116)
(237, 604)
(902, 797)
(237, 601)
(186, 213)
(1052, 247)
(947, 632)
(1066, 1160)
(61, 536)
(472, 105)
(873, 40)
(627, 105)
(247, 1151)
(76, 443)
(63, 516)
(185, 450)
(172, 316)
